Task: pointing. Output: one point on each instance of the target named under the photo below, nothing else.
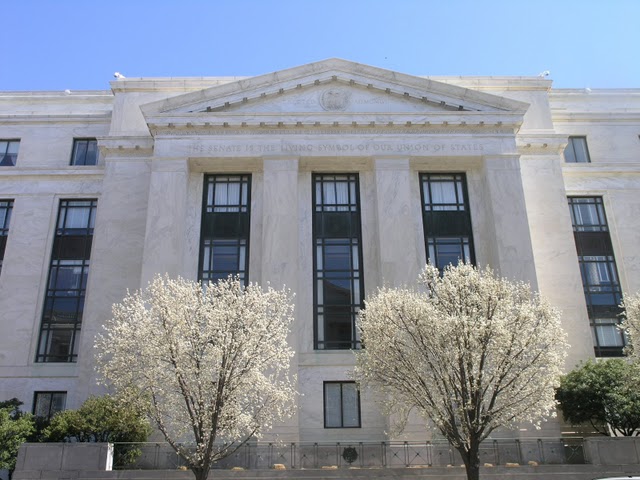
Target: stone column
(399, 225)
(505, 207)
(401, 249)
(116, 257)
(165, 234)
(279, 252)
(555, 250)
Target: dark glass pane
(335, 224)
(569, 153)
(225, 257)
(92, 153)
(338, 327)
(447, 223)
(42, 405)
(336, 291)
(80, 152)
(64, 310)
(594, 243)
(350, 405)
(332, 405)
(337, 257)
(59, 348)
(72, 247)
(226, 225)
(66, 277)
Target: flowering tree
(471, 353)
(631, 324)
(210, 365)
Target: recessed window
(47, 404)
(600, 281)
(446, 219)
(9, 152)
(6, 206)
(85, 152)
(337, 261)
(224, 243)
(577, 151)
(68, 272)
(341, 405)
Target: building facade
(332, 178)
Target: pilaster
(396, 221)
(165, 234)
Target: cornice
(315, 123)
(541, 143)
(92, 118)
(68, 172)
(596, 117)
(126, 146)
(600, 169)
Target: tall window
(599, 273)
(5, 218)
(337, 260)
(577, 151)
(64, 300)
(341, 405)
(85, 152)
(224, 241)
(47, 404)
(446, 219)
(9, 152)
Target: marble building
(331, 178)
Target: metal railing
(258, 455)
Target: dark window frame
(71, 251)
(595, 258)
(226, 228)
(342, 406)
(570, 153)
(80, 159)
(50, 414)
(5, 159)
(337, 227)
(446, 223)
(7, 206)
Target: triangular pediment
(333, 92)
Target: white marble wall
(150, 200)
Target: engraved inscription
(337, 148)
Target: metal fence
(256, 455)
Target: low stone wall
(63, 457)
(612, 450)
(85, 461)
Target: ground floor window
(47, 404)
(341, 405)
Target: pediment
(333, 86)
(333, 91)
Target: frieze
(179, 132)
(333, 148)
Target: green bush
(602, 393)
(15, 429)
(102, 419)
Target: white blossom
(210, 364)
(631, 324)
(470, 353)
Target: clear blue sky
(79, 44)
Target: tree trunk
(471, 460)
(201, 473)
